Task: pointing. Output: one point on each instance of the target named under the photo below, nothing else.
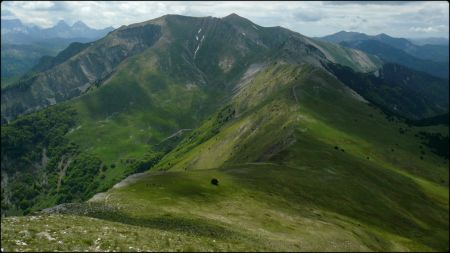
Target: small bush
(214, 181)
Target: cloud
(7, 14)
(429, 29)
(38, 5)
(307, 17)
(399, 19)
(423, 29)
(368, 2)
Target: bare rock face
(297, 50)
(92, 65)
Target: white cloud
(7, 14)
(401, 19)
(429, 29)
(423, 29)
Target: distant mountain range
(428, 52)
(22, 46)
(15, 32)
(432, 59)
(430, 41)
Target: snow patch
(255, 27)
(198, 47)
(196, 37)
(195, 53)
(199, 30)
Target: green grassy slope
(147, 101)
(132, 116)
(303, 164)
(347, 154)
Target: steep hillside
(75, 75)
(299, 159)
(182, 35)
(398, 90)
(48, 62)
(300, 136)
(18, 60)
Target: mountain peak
(61, 23)
(346, 36)
(80, 24)
(233, 15)
(236, 19)
(383, 35)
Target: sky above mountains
(396, 18)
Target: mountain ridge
(203, 134)
(437, 53)
(262, 38)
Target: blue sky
(399, 18)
